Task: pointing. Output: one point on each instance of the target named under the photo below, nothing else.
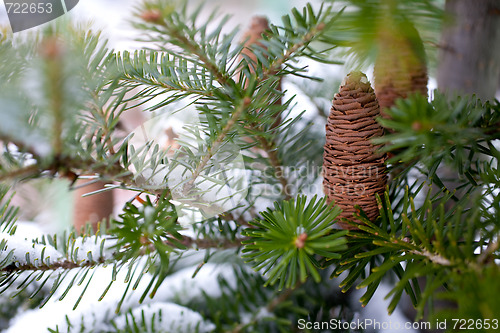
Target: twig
(66, 264)
(492, 247)
(272, 152)
(186, 241)
(271, 306)
(278, 62)
(230, 217)
(218, 141)
(195, 49)
(206, 243)
(282, 297)
(435, 258)
(26, 171)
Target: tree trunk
(469, 59)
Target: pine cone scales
(353, 169)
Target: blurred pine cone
(353, 169)
(400, 68)
(259, 28)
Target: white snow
(26, 252)
(165, 317)
(85, 248)
(178, 286)
(376, 309)
(260, 314)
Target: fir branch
(273, 154)
(71, 167)
(104, 124)
(186, 41)
(193, 47)
(277, 63)
(27, 171)
(283, 297)
(140, 70)
(204, 243)
(433, 257)
(65, 264)
(290, 237)
(51, 52)
(188, 242)
(150, 82)
(485, 256)
(212, 150)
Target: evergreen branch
(195, 49)
(273, 154)
(141, 70)
(213, 148)
(186, 242)
(169, 87)
(65, 264)
(27, 171)
(175, 27)
(104, 124)
(52, 56)
(433, 257)
(452, 130)
(488, 252)
(287, 239)
(277, 63)
(450, 238)
(203, 243)
(71, 167)
(428, 239)
(8, 213)
(270, 146)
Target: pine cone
(400, 68)
(353, 169)
(259, 27)
(252, 37)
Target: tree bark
(469, 59)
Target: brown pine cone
(353, 169)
